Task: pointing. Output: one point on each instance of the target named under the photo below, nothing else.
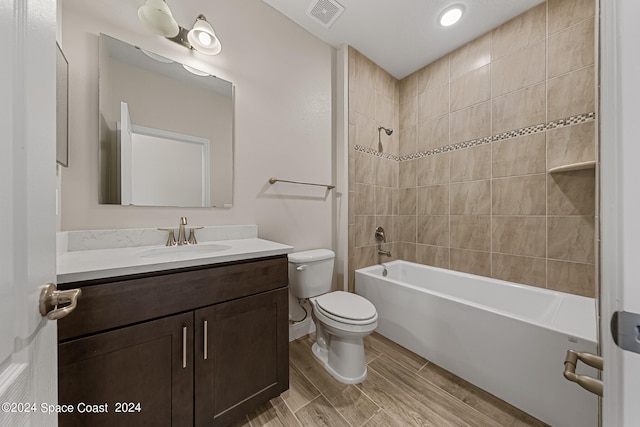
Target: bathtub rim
(370, 272)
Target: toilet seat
(347, 308)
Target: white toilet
(342, 319)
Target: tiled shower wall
(466, 185)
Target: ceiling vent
(326, 12)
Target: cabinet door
(247, 356)
(140, 375)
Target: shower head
(388, 131)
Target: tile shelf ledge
(591, 164)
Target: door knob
(50, 298)
(571, 360)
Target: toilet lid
(346, 305)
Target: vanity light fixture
(156, 16)
(451, 15)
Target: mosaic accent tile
(376, 153)
(555, 124)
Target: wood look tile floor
(401, 389)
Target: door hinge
(625, 329)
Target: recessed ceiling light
(451, 15)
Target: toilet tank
(310, 272)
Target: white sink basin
(181, 251)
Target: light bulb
(451, 16)
(204, 38)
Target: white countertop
(74, 266)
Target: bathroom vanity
(188, 345)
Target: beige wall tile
(432, 170)
(436, 256)
(470, 164)
(386, 171)
(471, 123)
(520, 32)
(352, 208)
(408, 140)
(433, 230)
(352, 165)
(364, 235)
(364, 256)
(407, 174)
(364, 173)
(385, 108)
(571, 193)
(520, 195)
(519, 269)
(363, 100)
(385, 84)
(471, 232)
(471, 198)
(519, 109)
(571, 238)
(564, 13)
(363, 70)
(519, 235)
(406, 228)
(473, 262)
(571, 144)
(408, 87)
(571, 94)
(407, 202)
(366, 133)
(384, 201)
(433, 103)
(572, 49)
(519, 156)
(408, 113)
(433, 75)
(433, 133)
(433, 200)
(471, 88)
(474, 54)
(571, 277)
(365, 199)
(407, 251)
(518, 70)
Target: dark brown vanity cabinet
(198, 346)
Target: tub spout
(384, 270)
(385, 253)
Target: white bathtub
(505, 338)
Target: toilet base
(357, 367)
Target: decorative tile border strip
(554, 124)
(368, 150)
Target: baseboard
(298, 330)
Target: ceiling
(402, 36)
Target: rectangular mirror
(62, 108)
(166, 131)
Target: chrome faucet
(182, 240)
(385, 253)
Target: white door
(28, 357)
(620, 204)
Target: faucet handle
(171, 241)
(192, 235)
